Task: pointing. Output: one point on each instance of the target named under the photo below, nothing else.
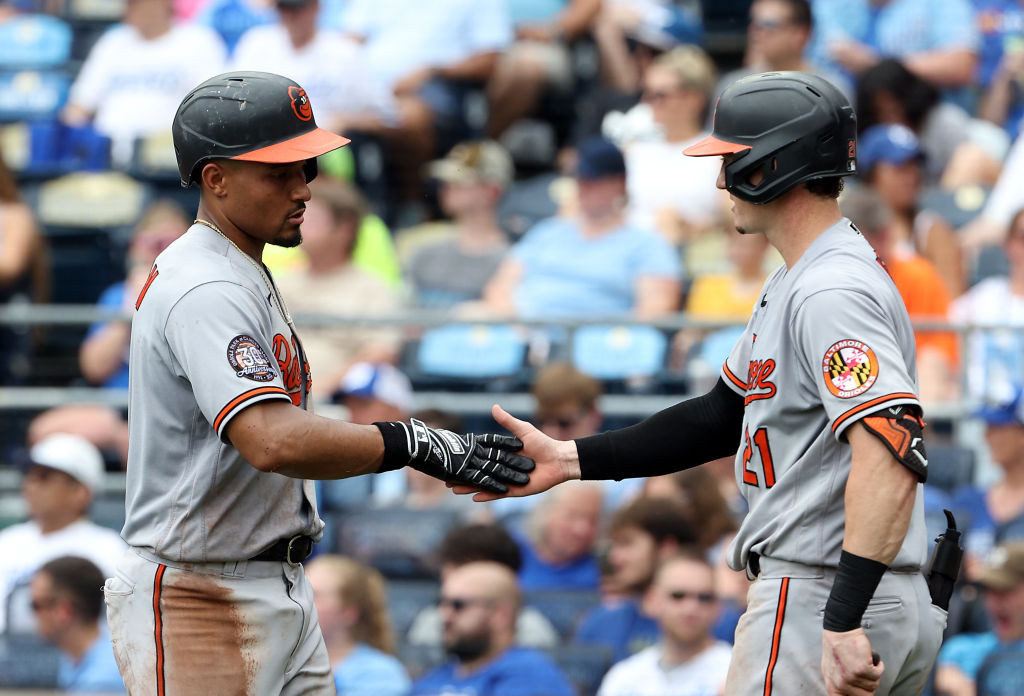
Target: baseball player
(211, 597)
(820, 394)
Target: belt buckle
(291, 546)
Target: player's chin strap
(901, 430)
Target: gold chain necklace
(282, 308)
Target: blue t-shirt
(898, 29)
(619, 626)
(565, 274)
(367, 671)
(96, 671)
(112, 298)
(516, 672)
(967, 651)
(537, 574)
(534, 11)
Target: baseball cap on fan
(598, 158)
(890, 142)
(1003, 569)
(1003, 408)
(376, 381)
(474, 162)
(74, 455)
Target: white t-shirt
(659, 176)
(403, 36)
(993, 355)
(24, 548)
(643, 675)
(331, 68)
(134, 86)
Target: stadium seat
(32, 95)
(406, 598)
(527, 202)
(563, 608)
(153, 159)
(34, 41)
(1002, 674)
(584, 665)
(27, 662)
(469, 356)
(398, 542)
(628, 355)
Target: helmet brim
(303, 147)
(711, 145)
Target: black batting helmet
(253, 116)
(790, 126)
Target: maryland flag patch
(850, 368)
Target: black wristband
(397, 448)
(856, 580)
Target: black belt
(754, 563)
(291, 551)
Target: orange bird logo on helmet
(300, 103)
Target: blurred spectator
(1002, 579)
(430, 56)
(566, 408)
(983, 512)
(631, 33)
(482, 542)
(1001, 64)
(558, 547)
(729, 295)
(24, 273)
(330, 284)
(675, 195)
(330, 66)
(593, 263)
(539, 59)
(1003, 203)
(372, 392)
(687, 660)
(777, 38)
(232, 18)
(958, 149)
(62, 474)
(732, 295)
(993, 354)
(937, 39)
(890, 160)
(641, 535)
(456, 266)
(478, 604)
(696, 492)
(67, 600)
(103, 356)
(351, 604)
(136, 74)
(103, 426)
(919, 283)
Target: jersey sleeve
(850, 347)
(217, 334)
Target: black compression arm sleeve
(690, 433)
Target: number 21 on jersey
(764, 453)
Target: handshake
(487, 462)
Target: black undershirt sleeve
(688, 434)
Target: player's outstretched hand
(556, 460)
(847, 664)
(486, 462)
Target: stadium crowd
(515, 169)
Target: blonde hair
(363, 587)
(690, 65)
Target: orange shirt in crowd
(925, 295)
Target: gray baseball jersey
(208, 341)
(829, 343)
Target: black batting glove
(488, 462)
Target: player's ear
(214, 175)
